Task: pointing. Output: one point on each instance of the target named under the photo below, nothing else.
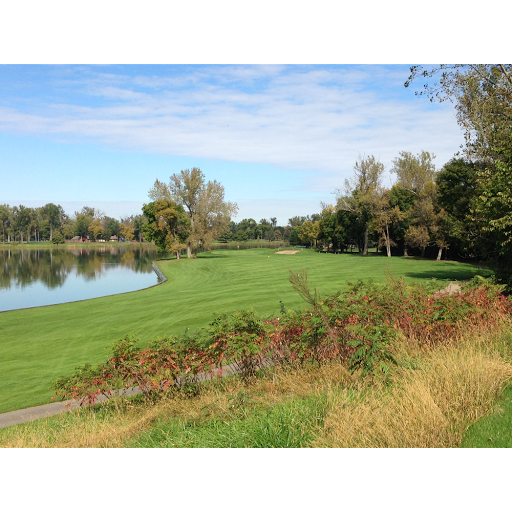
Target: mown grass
(40, 344)
(495, 430)
(436, 397)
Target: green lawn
(40, 344)
(494, 431)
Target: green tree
(167, 224)
(55, 215)
(458, 189)
(209, 213)
(298, 221)
(309, 232)
(126, 230)
(414, 173)
(58, 237)
(494, 206)
(95, 229)
(22, 219)
(482, 95)
(404, 200)
(360, 193)
(4, 218)
(294, 238)
(386, 216)
(82, 223)
(138, 222)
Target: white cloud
(313, 119)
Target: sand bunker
(286, 252)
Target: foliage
(358, 327)
(58, 238)
(494, 207)
(414, 173)
(458, 188)
(204, 204)
(482, 94)
(167, 224)
(309, 232)
(359, 195)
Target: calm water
(39, 277)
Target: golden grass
(432, 397)
(424, 408)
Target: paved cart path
(44, 411)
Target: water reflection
(28, 272)
(21, 267)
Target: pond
(40, 277)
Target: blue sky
(280, 138)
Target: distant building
(113, 238)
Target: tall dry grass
(427, 407)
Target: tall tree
(4, 217)
(167, 224)
(82, 223)
(204, 203)
(359, 195)
(404, 200)
(54, 214)
(458, 191)
(386, 216)
(482, 94)
(309, 232)
(22, 219)
(95, 229)
(414, 173)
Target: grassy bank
(40, 344)
(430, 400)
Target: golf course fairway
(40, 344)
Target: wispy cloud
(315, 119)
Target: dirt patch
(286, 252)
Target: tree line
(463, 210)
(51, 223)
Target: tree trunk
(51, 232)
(189, 249)
(388, 244)
(178, 254)
(423, 252)
(405, 251)
(439, 254)
(365, 250)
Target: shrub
(357, 327)
(58, 238)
